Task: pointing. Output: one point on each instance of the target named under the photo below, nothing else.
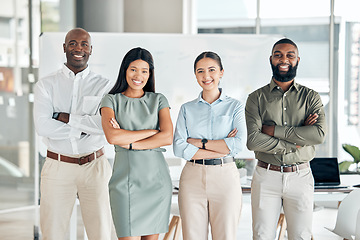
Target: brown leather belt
(81, 160)
(283, 168)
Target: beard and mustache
(284, 77)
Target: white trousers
(210, 194)
(271, 190)
(61, 183)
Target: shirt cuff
(190, 151)
(229, 143)
(290, 147)
(279, 132)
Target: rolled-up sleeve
(181, 148)
(237, 143)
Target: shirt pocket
(91, 104)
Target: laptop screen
(325, 171)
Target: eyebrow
(203, 68)
(277, 51)
(136, 67)
(73, 40)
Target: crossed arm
(214, 148)
(140, 139)
(278, 139)
(310, 120)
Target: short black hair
(284, 40)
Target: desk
(331, 195)
(320, 195)
(324, 195)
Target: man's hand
(269, 130)
(311, 119)
(63, 117)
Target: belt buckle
(81, 158)
(282, 167)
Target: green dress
(140, 187)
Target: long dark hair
(134, 54)
(211, 55)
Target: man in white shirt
(66, 114)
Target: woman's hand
(195, 141)
(232, 133)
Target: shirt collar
(221, 98)
(83, 74)
(273, 85)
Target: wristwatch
(204, 141)
(55, 115)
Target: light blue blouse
(199, 119)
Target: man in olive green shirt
(284, 121)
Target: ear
(298, 59)
(64, 47)
(221, 73)
(90, 50)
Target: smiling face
(284, 61)
(77, 48)
(208, 73)
(137, 74)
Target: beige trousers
(61, 183)
(272, 190)
(210, 194)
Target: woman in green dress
(136, 120)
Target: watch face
(204, 140)
(55, 115)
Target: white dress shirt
(80, 96)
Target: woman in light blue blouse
(210, 130)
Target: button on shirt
(80, 95)
(270, 105)
(199, 119)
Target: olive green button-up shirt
(270, 105)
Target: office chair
(346, 220)
(175, 223)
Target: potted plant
(241, 164)
(355, 153)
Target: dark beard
(288, 76)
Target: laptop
(326, 173)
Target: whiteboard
(245, 60)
